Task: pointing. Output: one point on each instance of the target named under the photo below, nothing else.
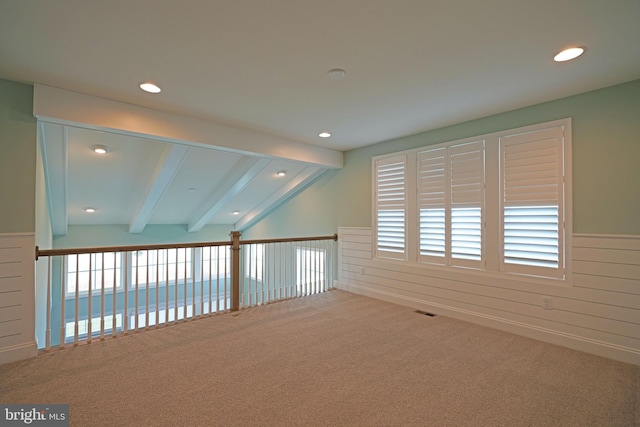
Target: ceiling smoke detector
(336, 73)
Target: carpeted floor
(333, 359)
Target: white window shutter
(432, 204)
(451, 199)
(532, 195)
(391, 207)
(467, 202)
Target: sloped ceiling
(142, 181)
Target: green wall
(606, 172)
(606, 167)
(17, 158)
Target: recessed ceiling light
(236, 212)
(89, 210)
(324, 135)
(336, 73)
(281, 173)
(150, 87)
(192, 189)
(100, 149)
(569, 54)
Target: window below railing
(94, 293)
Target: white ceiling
(412, 65)
(144, 181)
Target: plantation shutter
(467, 200)
(451, 198)
(391, 200)
(432, 204)
(532, 195)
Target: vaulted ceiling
(253, 79)
(142, 181)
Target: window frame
(126, 270)
(492, 208)
(170, 281)
(120, 278)
(217, 264)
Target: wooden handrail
(287, 240)
(131, 248)
(100, 249)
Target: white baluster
(63, 295)
(102, 302)
(47, 338)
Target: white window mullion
(88, 270)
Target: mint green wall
(17, 158)
(82, 236)
(606, 155)
(606, 168)
(337, 198)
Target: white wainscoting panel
(17, 298)
(609, 263)
(598, 312)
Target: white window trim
(83, 294)
(492, 207)
(131, 273)
(127, 273)
(217, 262)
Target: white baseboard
(587, 345)
(18, 352)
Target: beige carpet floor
(333, 359)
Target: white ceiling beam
(53, 148)
(66, 107)
(164, 173)
(242, 173)
(290, 189)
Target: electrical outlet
(546, 303)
